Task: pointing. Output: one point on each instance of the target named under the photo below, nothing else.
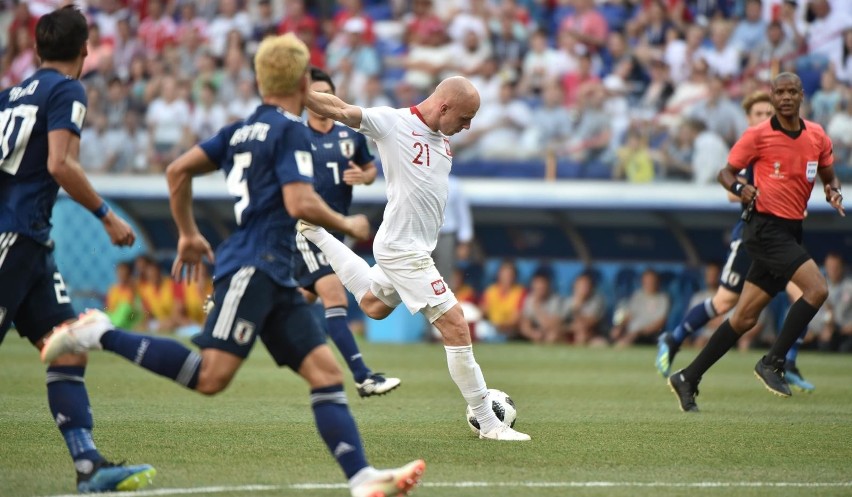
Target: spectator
(168, 123)
(723, 57)
(463, 291)
(190, 299)
(502, 302)
(708, 151)
(643, 317)
(427, 58)
(98, 49)
(840, 131)
(720, 115)
(574, 82)
(772, 50)
(508, 41)
(158, 294)
(488, 81)
(844, 69)
(649, 27)
(469, 55)
(540, 65)
(473, 15)
(681, 55)
(264, 22)
(551, 123)
(129, 143)
(687, 94)
(587, 25)
(351, 61)
(657, 93)
(792, 15)
(750, 30)
(190, 49)
(825, 103)
(839, 333)
(297, 19)
(633, 160)
(93, 156)
(421, 21)
(592, 131)
(123, 304)
(117, 103)
(236, 69)
(19, 60)
(245, 103)
(373, 94)
(675, 156)
(543, 311)
(497, 131)
(229, 19)
(208, 115)
(156, 30)
(585, 310)
(825, 37)
(456, 232)
(127, 48)
(354, 9)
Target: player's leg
(294, 339)
(793, 374)
(33, 293)
(726, 297)
(770, 369)
(754, 298)
(240, 301)
(336, 304)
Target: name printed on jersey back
(254, 131)
(21, 92)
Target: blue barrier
(399, 327)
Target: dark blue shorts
(32, 291)
(312, 265)
(248, 304)
(736, 267)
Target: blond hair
(280, 64)
(755, 98)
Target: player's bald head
(787, 78)
(457, 89)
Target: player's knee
(723, 304)
(741, 323)
(71, 360)
(816, 294)
(212, 383)
(375, 308)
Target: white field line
(475, 484)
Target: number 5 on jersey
(237, 185)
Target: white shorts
(414, 281)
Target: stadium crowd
(631, 90)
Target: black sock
(718, 345)
(800, 314)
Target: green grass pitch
(594, 415)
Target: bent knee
(211, 385)
(71, 360)
(816, 296)
(742, 324)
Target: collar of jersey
(415, 111)
(292, 117)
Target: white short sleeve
(377, 122)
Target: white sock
(362, 475)
(353, 271)
(468, 377)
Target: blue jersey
(737, 232)
(45, 102)
(332, 152)
(260, 155)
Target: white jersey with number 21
(416, 163)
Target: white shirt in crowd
(167, 120)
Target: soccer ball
(503, 406)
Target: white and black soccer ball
(502, 405)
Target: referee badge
(347, 148)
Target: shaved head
(787, 77)
(452, 106)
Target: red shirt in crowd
(785, 164)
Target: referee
(788, 154)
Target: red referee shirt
(785, 164)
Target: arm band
(737, 188)
(101, 211)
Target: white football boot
(391, 482)
(377, 384)
(77, 336)
(504, 432)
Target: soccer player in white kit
(417, 159)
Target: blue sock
(337, 428)
(69, 405)
(163, 356)
(695, 319)
(793, 353)
(341, 335)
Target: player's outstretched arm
(63, 164)
(831, 186)
(303, 202)
(192, 246)
(332, 107)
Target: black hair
(61, 35)
(318, 74)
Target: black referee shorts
(775, 247)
